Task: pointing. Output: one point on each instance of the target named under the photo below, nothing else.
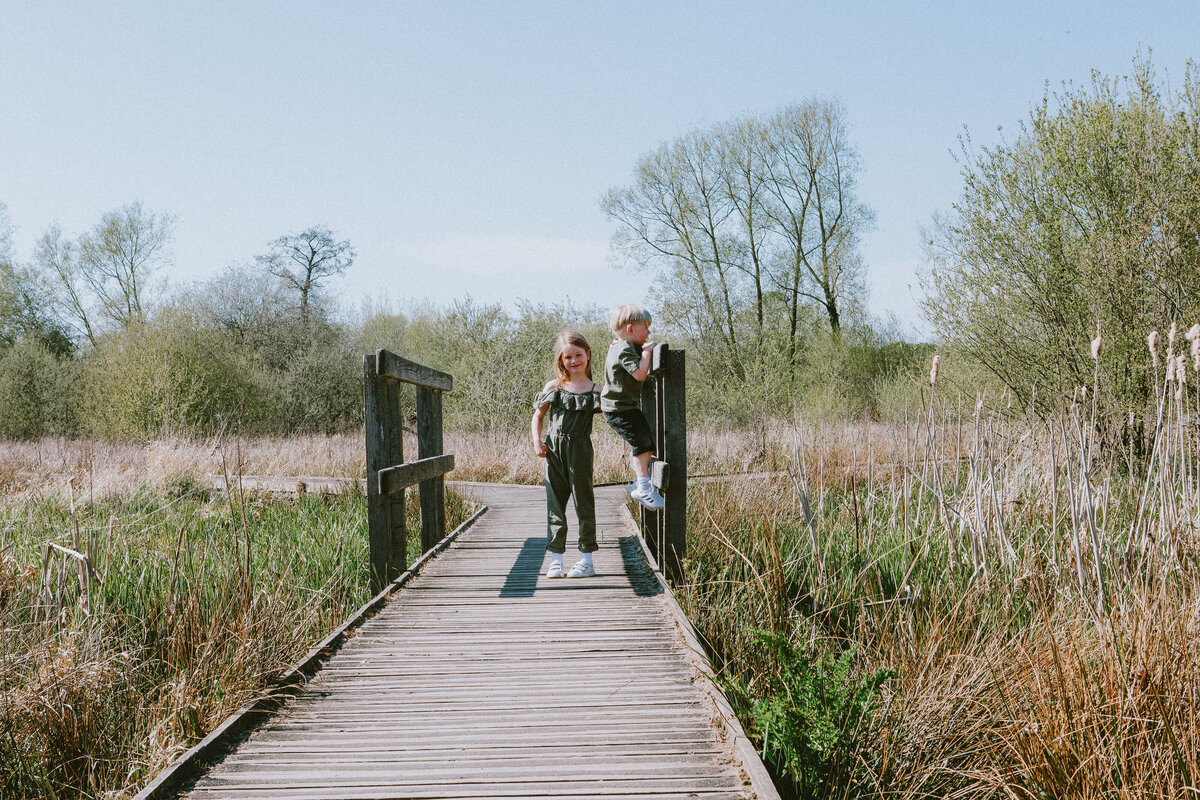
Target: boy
(627, 365)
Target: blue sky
(464, 147)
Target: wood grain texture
(391, 365)
(394, 479)
(481, 678)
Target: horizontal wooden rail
(390, 365)
(393, 479)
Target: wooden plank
(395, 479)
(429, 444)
(393, 366)
(652, 521)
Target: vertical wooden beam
(429, 443)
(674, 448)
(394, 448)
(652, 521)
(377, 512)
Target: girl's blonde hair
(629, 314)
(570, 339)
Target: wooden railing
(388, 475)
(665, 406)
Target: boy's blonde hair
(629, 314)
(569, 339)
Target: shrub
(37, 392)
(811, 715)
(168, 378)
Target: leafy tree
(1088, 216)
(304, 260)
(25, 312)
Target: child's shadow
(522, 577)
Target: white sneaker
(582, 569)
(649, 498)
(631, 488)
(555, 570)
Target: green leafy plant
(811, 716)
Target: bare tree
(118, 257)
(105, 277)
(810, 173)
(675, 214)
(56, 260)
(305, 259)
(749, 222)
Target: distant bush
(37, 392)
(320, 389)
(499, 360)
(168, 378)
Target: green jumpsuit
(567, 434)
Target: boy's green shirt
(621, 390)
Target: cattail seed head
(1181, 370)
(933, 372)
(1152, 343)
(1170, 368)
(1097, 344)
(1171, 334)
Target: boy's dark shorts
(631, 425)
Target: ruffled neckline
(572, 401)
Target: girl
(566, 407)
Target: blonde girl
(562, 434)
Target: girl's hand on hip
(540, 448)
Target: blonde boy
(625, 368)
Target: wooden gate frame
(664, 403)
(387, 473)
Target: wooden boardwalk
(481, 678)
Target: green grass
(200, 602)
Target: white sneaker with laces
(582, 569)
(555, 570)
(650, 498)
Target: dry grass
(1033, 600)
(95, 470)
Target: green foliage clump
(499, 360)
(811, 714)
(37, 392)
(167, 378)
(1085, 218)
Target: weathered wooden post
(387, 473)
(664, 403)
(429, 444)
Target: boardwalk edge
(760, 779)
(191, 764)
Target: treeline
(752, 226)
(259, 349)
(262, 349)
